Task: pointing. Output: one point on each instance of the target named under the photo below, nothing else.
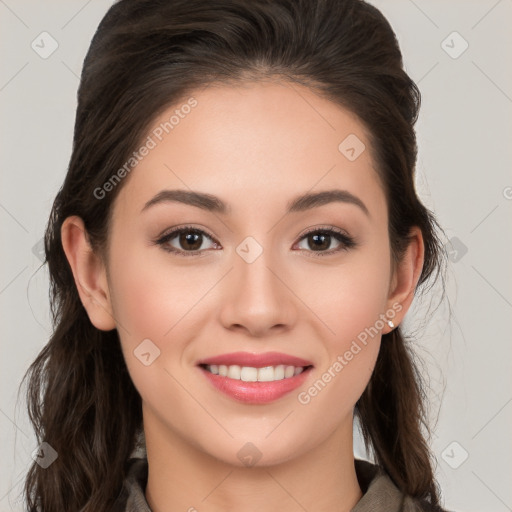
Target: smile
(252, 374)
(255, 378)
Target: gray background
(463, 174)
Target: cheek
(348, 298)
(149, 303)
(350, 309)
(159, 299)
(141, 299)
(150, 291)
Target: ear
(405, 277)
(89, 273)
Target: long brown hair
(147, 55)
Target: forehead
(260, 141)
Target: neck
(182, 477)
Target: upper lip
(255, 360)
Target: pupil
(188, 238)
(316, 238)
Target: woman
(233, 250)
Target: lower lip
(256, 392)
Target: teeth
(279, 372)
(248, 374)
(266, 374)
(251, 374)
(234, 372)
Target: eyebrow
(214, 204)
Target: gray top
(379, 493)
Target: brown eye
(185, 240)
(189, 240)
(319, 241)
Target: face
(259, 276)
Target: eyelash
(347, 242)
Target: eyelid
(324, 228)
(177, 229)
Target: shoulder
(414, 505)
(380, 493)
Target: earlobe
(89, 273)
(406, 276)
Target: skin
(256, 146)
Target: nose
(257, 298)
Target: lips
(256, 360)
(255, 378)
